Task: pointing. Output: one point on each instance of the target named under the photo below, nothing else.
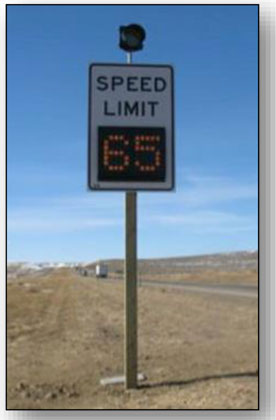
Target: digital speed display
(131, 154)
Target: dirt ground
(65, 333)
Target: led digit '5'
(148, 144)
(122, 160)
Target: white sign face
(131, 144)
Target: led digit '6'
(110, 153)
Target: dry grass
(65, 333)
(212, 277)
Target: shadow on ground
(196, 380)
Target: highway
(238, 290)
(233, 290)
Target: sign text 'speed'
(131, 84)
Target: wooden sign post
(130, 284)
(130, 291)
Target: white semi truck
(101, 270)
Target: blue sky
(51, 214)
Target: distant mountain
(230, 261)
(224, 261)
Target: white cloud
(201, 222)
(48, 224)
(194, 206)
(200, 218)
(205, 190)
(201, 191)
(195, 192)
